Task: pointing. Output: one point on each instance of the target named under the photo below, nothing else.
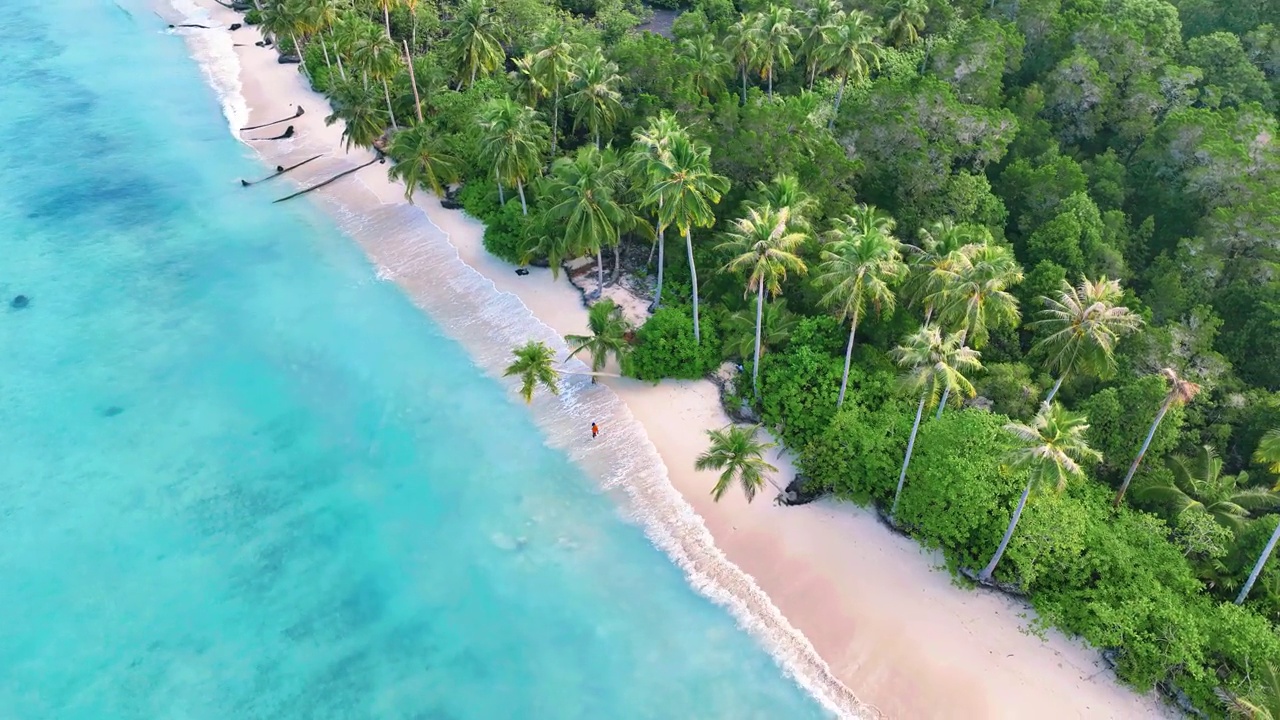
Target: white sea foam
(215, 52)
(411, 250)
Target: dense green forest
(912, 222)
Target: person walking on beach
(595, 430)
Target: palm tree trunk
(413, 13)
(744, 84)
(693, 274)
(1138, 460)
(662, 247)
(413, 80)
(946, 393)
(1257, 567)
(597, 139)
(386, 16)
(1054, 390)
(555, 121)
(341, 70)
(502, 197)
(771, 82)
(325, 49)
(848, 357)
(844, 80)
(599, 271)
(911, 443)
(755, 364)
(386, 91)
(985, 575)
(524, 206)
(473, 76)
(302, 59)
(617, 262)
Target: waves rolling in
(409, 249)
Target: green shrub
(858, 453)
(253, 17)
(480, 199)
(799, 386)
(665, 347)
(508, 234)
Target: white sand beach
(889, 624)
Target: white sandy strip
(889, 624)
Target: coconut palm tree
(652, 143)
(582, 189)
(740, 328)
(528, 84)
(774, 37)
(1180, 392)
(945, 250)
(513, 138)
(684, 188)
(422, 159)
(850, 50)
(608, 335)
(376, 56)
(935, 365)
(743, 44)
(553, 66)
(475, 37)
(708, 64)
(907, 21)
(1051, 450)
(1267, 705)
(288, 19)
(386, 14)
(860, 265)
(364, 119)
(819, 19)
(1083, 326)
(978, 299)
(785, 191)
(596, 100)
(533, 365)
(764, 245)
(739, 456)
(1268, 452)
(321, 15)
(1198, 483)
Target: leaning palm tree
(1198, 483)
(1084, 324)
(820, 18)
(935, 366)
(708, 64)
(859, 267)
(533, 365)
(739, 456)
(1265, 704)
(1051, 450)
(743, 44)
(386, 14)
(763, 244)
(978, 298)
(652, 143)
(1257, 566)
(582, 190)
(291, 20)
(1180, 392)
(907, 21)
(363, 117)
(376, 57)
(553, 67)
(774, 37)
(513, 139)
(422, 159)
(596, 99)
(684, 187)
(608, 335)
(849, 49)
(475, 38)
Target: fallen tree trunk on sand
(344, 173)
(294, 116)
(279, 171)
(288, 133)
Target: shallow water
(240, 477)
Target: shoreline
(881, 621)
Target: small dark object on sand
(236, 26)
(280, 170)
(112, 411)
(264, 43)
(20, 302)
(522, 271)
(288, 133)
(289, 60)
(191, 25)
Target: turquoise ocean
(241, 477)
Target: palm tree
(582, 190)
(764, 245)
(1084, 324)
(596, 100)
(1051, 450)
(774, 37)
(1199, 483)
(684, 188)
(422, 159)
(288, 19)
(377, 57)
(945, 250)
(819, 19)
(907, 21)
(386, 14)
(608, 335)
(737, 453)
(850, 49)
(533, 365)
(475, 39)
(935, 366)
(743, 41)
(553, 67)
(652, 143)
(1269, 709)
(708, 64)
(363, 117)
(859, 266)
(785, 191)
(528, 83)
(1180, 392)
(1257, 566)
(978, 298)
(320, 18)
(1268, 452)
(740, 328)
(513, 139)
